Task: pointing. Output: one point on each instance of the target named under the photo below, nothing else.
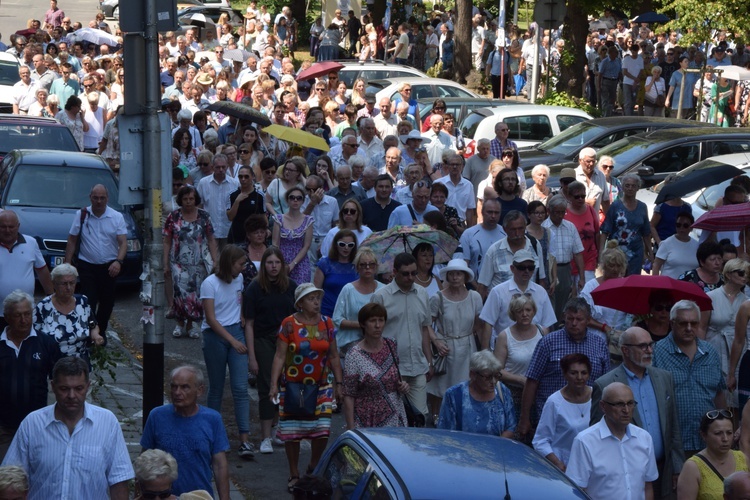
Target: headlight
(134, 245)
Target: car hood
(531, 157)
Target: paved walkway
(123, 397)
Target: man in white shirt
(632, 65)
(437, 140)
(370, 143)
(614, 458)
(24, 91)
(214, 191)
(386, 122)
(460, 190)
(325, 212)
(477, 239)
(593, 179)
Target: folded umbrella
(697, 179)
(240, 111)
(725, 218)
(399, 239)
(319, 69)
(297, 136)
(631, 294)
(93, 35)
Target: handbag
(439, 362)
(414, 417)
(300, 399)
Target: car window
(565, 121)
(571, 140)
(724, 147)
(707, 200)
(344, 471)
(36, 137)
(422, 91)
(470, 124)
(396, 73)
(34, 185)
(375, 74)
(674, 159)
(348, 77)
(376, 490)
(9, 73)
(529, 128)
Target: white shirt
(634, 67)
(460, 196)
(325, 215)
(227, 299)
(679, 256)
(560, 423)
(610, 468)
(386, 126)
(17, 266)
(495, 310)
(438, 143)
(24, 95)
(475, 241)
(68, 466)
(214, 197)
(99, 244)
(565, 241)
(595, 188)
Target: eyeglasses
(620, 405)
(346, 244)
(739, 272)
(662, 307)
(489, 376)
(685, 324)
(406, 274)
(540, 214)
(367, 265)
(244, 151)
(290, 170)
(684, 225)
(714, 414)
(643, 346)
(579, 197)
(319, 90)
(150, 495)
(608, 167)
(525, 268)
(349, 211)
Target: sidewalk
(123, 397)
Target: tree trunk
(575, 31)
(462, 39)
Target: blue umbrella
(651, 17)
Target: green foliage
(696, 20)
(564, 99)
(436, 70)
(104, 360)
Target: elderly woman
(67, 317)
(14, 482)
(39, 107)
(708, 273)
(606, 165)
(350, 217)
(676, 255)
(656, 92)
(155, 471)
(627, 223)
(336, 269)
(190, 251)
(566, 412)
(455, 314)
(482, 405)
(372, 384)
(72, 117)
(539, 191)
(306, 354)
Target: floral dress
(305, 362)
(693, 277)
(75, 126)
(71, 331)
(628, 228)
(371, 378)
(291, 242)
(190, 261)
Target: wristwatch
(92, 323)
(119, 261)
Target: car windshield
(36, 137)
(9, 73)
(55, 186)
(571, 140)
(374, 88)
(627, 151)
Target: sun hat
(205, 79)
(414, 134)
(304, 290)
(567, 173)
(457, 265)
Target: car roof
(410, 79)
(7, 119)
(529, 109)
(471, 100)
(6, 56)
(437, 463)
(629, 121)
(62, 158)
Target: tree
(698, 20)
(462, 38)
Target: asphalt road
(15, 13)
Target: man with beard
(656, 412)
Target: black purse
(414, 417)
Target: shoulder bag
(300, 399)
(414, 417)
(439, 362)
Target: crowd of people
(267, 261)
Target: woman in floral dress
(189, 253)
(293, 233)
(372, 385)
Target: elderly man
(20, 257)
(24, 91)
(26, 361)
(656, 411)
(501, 141)
(214, 191)
(565, 246)
(461, 195)
(437, 140)
(409, 321)
(696, 370)
(349, 147)
(737, 486)
(370, 143)
(72, 449)
(476, 240)
(345, 189)
(495, 310)
(614, 458)
(413, 213)
(202, 457)
(103, 237)
(478, 165)
(325, 212)
(369, 176)
(593, 179)
(497, 260)
(386, 122)
(393, 166)
(544, 375)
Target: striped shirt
(696, 384)
(565, 241)
(545, 362)
(67, 466)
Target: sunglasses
(509, 154)
(244, 151)
(579, 197)
(662, 307)
(739, 272)
(156, 494)
(714, 414)
(349, 211)
(345, 244)
(608, 167)
(684, 225)
(295, 197)
(243, 176)
(525, 268)
(367, 265)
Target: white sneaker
(266, 446)
(195, 333)
(178, 331)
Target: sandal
(291, 483)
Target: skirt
(293, 428)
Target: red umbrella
(319, 69)
(725, 218)
(631, 294)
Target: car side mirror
(645, 171)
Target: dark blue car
(45, 188)
(410, 463)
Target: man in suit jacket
(656, 412)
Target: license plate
(56, 261)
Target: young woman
(324, 169)
(336, 269)
(293, 233)
(425, 255)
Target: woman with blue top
(482, 404)
(337, 269)
(353, 297)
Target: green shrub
(564, 99)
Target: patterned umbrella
(725, 218)
(399, 239)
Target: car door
(669, 160)
(353, 475)
(725, 147)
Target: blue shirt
(335, 276)
(648, 408)
(192, 441)
(401, 216)
(461, 412)
(610, 68)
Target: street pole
(153, 312)
(501, 44)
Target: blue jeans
(218, 354)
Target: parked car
(9, 65)
(34, 132)
(45, 188)
(656, 155)
(405, 463)
(461, 107)
(374, 70)
(529, 124)
(422, 88)
(596, 134)
(111, 8)
(210, 11)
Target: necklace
(429, 278)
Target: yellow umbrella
(297, 136)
